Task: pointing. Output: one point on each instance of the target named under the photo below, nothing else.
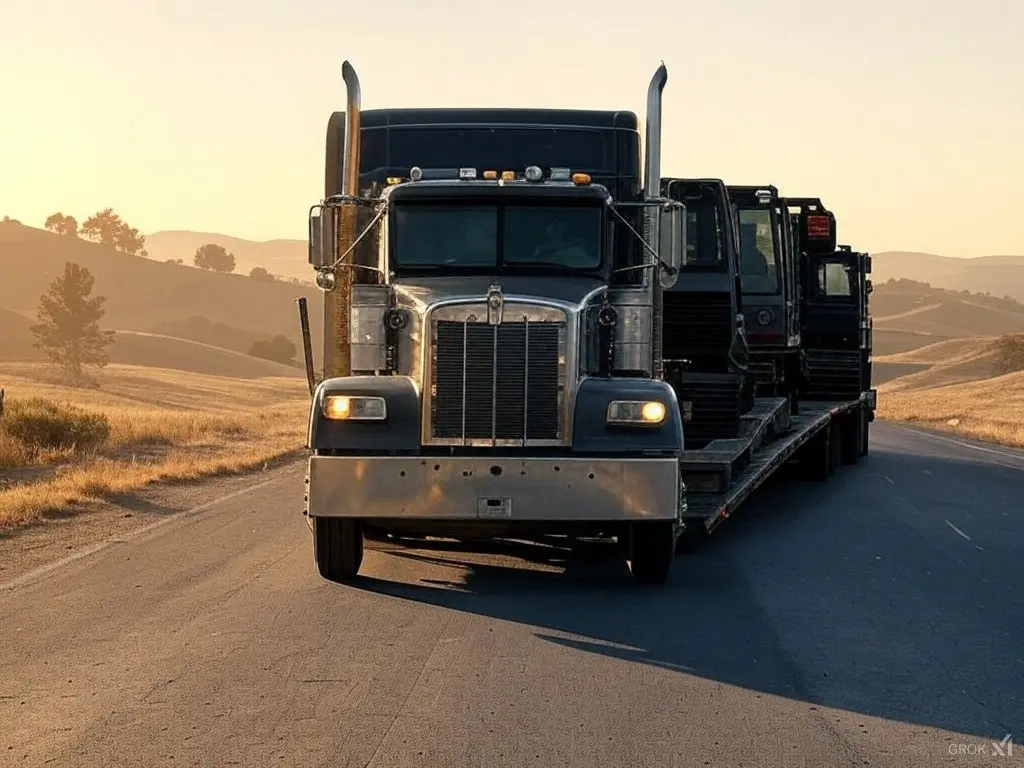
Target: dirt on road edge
(22, 550)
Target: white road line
(50, 567)
(962, 444)
(958, 530)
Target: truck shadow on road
(854, 595)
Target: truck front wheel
(652, 550)
(337, 548)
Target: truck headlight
(355, 408)
(635, 412)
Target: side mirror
(869, 286)
(867, 265)
(672, 245)
(323, 236)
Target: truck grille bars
(500, 384)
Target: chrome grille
(498, 384)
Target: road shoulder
(85, 529)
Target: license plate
(490, 507)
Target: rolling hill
(145, 294)
(937, 314)
(287, 258)
(996, 275)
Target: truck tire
(835, 444)
(865, 421)
(815, 456)
(852, 440)
(337, 548)
(652, 550)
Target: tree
(68, 332)
(107, 228)
(259, 273)
(1009, 354)
(62, 225)
(176, 261)
(214, 257)
(9, 220)
(279, 349)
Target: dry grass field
(986, 409)
(62, 448)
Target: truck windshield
(703, 235)
(759, 269)
(488, 236)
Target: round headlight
(534, 173)
(607, 316)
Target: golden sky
(905, 116)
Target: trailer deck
(721, 476)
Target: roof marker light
(490, 175)
(534, 173)
(560, 174)
(508, 175)
(416, 173)
(467, 174)
(581, 178)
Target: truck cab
(770, 289)
(704, 344)
(492, 345)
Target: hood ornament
(495, 304)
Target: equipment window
(703, 235)
(759, 270)
(834, 279)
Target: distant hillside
(997, 275)
(914, 307)
(287, 258)
(143, 294)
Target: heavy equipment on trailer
(770, 288)
(500, 357)
(492, 355)
(704, 345)
(836, 325)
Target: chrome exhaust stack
(652, 135)
(652, 214)
(338, 301)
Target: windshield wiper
(560, 265)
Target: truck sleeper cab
(483, 335)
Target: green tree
(260, 273)
(109, 229)
(62, 225)
(279, 349)
(214, 257)
(68, 332)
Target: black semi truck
(500, 358)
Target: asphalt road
(874, 620)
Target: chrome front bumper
(475, 488)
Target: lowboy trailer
(499, 358)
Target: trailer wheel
(816, 456)
(652, 550)
(852, 438)
(337, 548)
(835, 445)
(865, 426)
